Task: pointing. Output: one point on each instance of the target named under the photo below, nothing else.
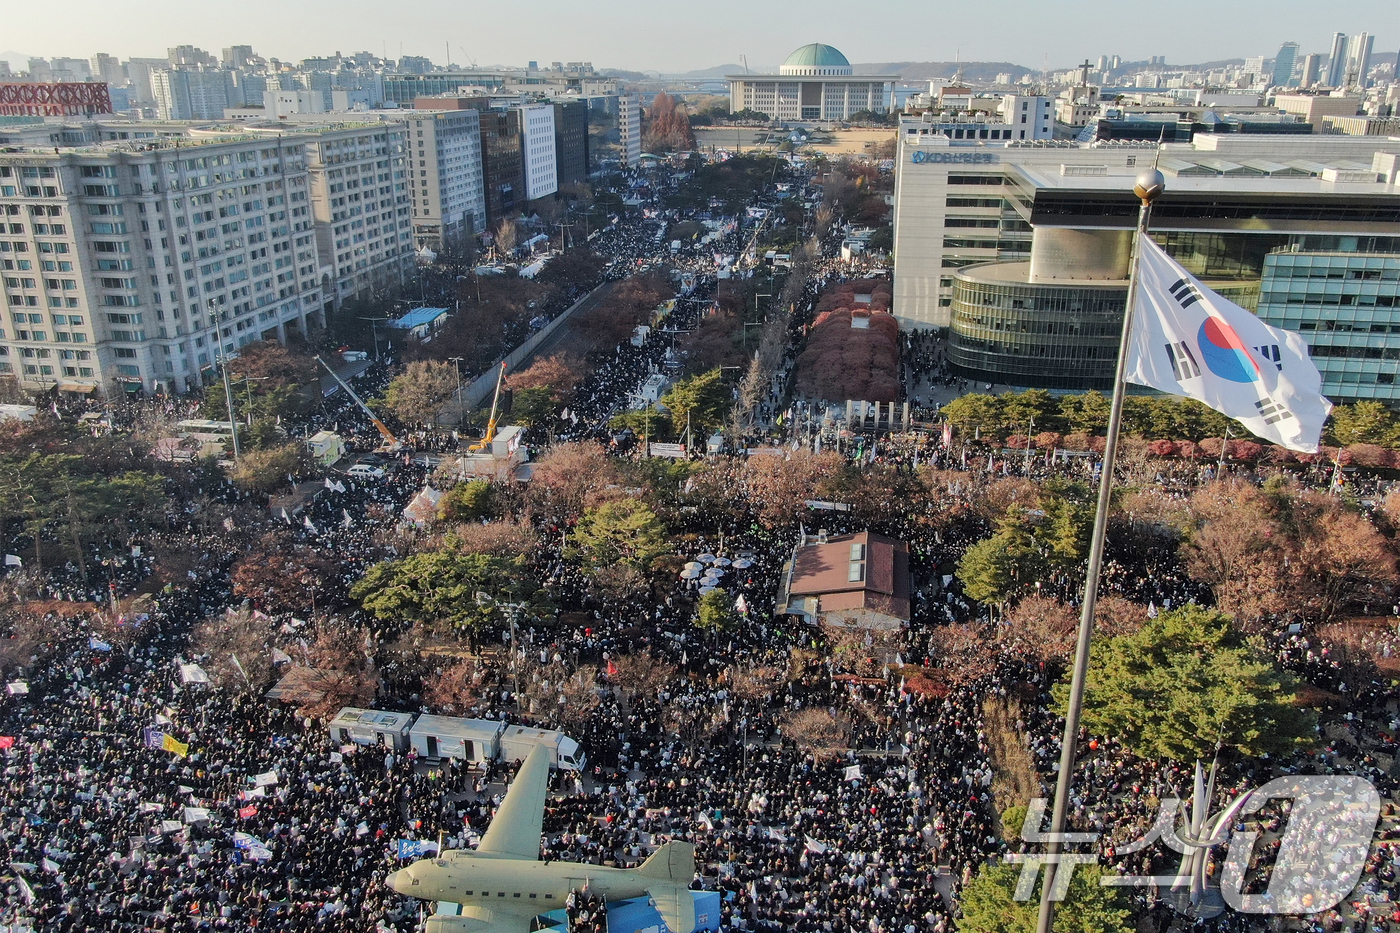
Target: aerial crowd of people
(244, 813)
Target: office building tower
(571, 141)
(629, 129)
(1337, 60)
(1021, 251)
(361, 205)
(501, 168)
(537, 152)
(1311, 71)
(445, 179)
(1284, 62)
(1358, 60)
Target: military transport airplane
(502, 884)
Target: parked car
(365, 471)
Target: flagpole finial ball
(1149, 184)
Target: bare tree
(641, 674)
(457, 688)
(818, 732)
(239, 633)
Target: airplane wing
(477, 920)
(675, 905)
(515, 830)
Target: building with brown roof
(855, 581)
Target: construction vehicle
(490, 434)
(391, 443)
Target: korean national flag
(1189, 341)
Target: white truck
(473, 741)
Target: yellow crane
(490, 434)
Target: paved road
(572, 335)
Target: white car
(365, 471)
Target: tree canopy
(437, 589)
(623, 531)
(418, 393)
(1187, 683)
(988, 905)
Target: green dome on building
(816, 59)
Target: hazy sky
(665, 35)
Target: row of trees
(1166, 418)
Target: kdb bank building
(1018, 251)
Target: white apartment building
(189, 95)
(629, 129)
(445, 178)
(131, 266)
(361, 204)
(537, 154)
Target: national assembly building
(815, 83)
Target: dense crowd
(267, 823)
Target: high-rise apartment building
(1284, 63)
(136, 268)
(445, 178)
(361, 204)
(108, 68)
(190, 95)
(629, 129)
(187, 56)
(241, 56)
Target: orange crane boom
(390, 441)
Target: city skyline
(627, 37)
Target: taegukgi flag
(1187, 340)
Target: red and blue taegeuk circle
(1224, 353)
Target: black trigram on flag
(1184, 365)
(1185, 293)
(1270, 353)
(1272, 411)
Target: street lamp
(456, 362)
(485, 601)
(374, 330)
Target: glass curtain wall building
(1310, 244)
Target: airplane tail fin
(673, 862)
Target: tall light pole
(374, 331)
(512, 610)
(1148, 186)
(228, 397)
(456, 362)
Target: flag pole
(1147, 187)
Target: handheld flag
(13, 560)
(97, 644)
(171, 744)
(1189, 341)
